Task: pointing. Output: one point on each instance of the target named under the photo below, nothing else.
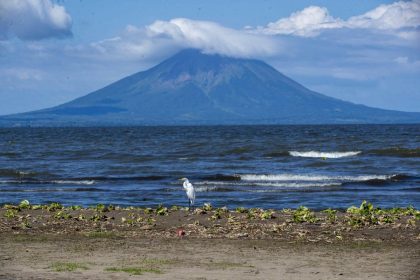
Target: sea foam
(315, 154)
(317, 178)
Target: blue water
(251, 166)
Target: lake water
(251, 166)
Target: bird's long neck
(185, 184)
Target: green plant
(162, 211)
(175, 208)
(62, 215)
(36, 207)
(268, 214)
(366, 214)
(207, 207)
(303, 214)
(54, 206)
(148, 211)
(63, 266)
(24, 204)
(10, 213)
(133, 270)
(75, 207)
(101, 208)
(241, 210)
(331, 215)
(97, 217)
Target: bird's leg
(189, 205)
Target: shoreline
(365, 222)
(106, 242)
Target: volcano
(192, 88)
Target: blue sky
(366, 52)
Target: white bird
(189, 189)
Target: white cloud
(396, 17)
(33, 19)
(389, 17)
(308, 22)
(180, 33)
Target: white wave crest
(74, 182)
(59, 182)
(315, 154)
(294, 177)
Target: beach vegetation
(367, 214)
(162, 211)
(148, 210)
(62, 215)
(24, 204)
(207, 207)
(303, 214)
(133, 270)
(68, 266)
(97, 217)
(101, 208)
(53, 207)
(36, 207)
(267, 214)
(331, 215)
(241, 210)
(10, 213)
(218, 213)
(75, 207)
(175, 208)
(101, 234)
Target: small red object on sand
(180, 232)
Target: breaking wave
(315, 154)
(298, 177)
(53, 182)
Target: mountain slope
(196, 88)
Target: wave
(269, 184)
(123, 178)
(42, 190)
(297, 177)
(82, 180)
(16, 173)
(397, 152)
(317, 178)
(315, 154)
(213, 189)
(58, 182)
(221, 177)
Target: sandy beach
(56, 242)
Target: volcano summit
(195, 88)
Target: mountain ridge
(195, 88)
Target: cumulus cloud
(389, 17)
(33, 19)
(308, 22)
(397, 17)
(179, 33)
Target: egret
(189, 189)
